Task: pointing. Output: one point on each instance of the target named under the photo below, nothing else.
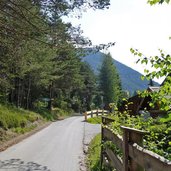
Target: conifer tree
(109, 81)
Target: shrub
(158, 138)
(12, 117)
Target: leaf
(142, 77)
(137, 61)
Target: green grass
(95, 120)
(11, 117)
(93, 159)
(166, 118)
(55, 114)
(15, 121)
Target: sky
(131, 24)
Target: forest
(41, 55)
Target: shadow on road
(19, 165)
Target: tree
(109, 81)
(39, 52)
(88, 91)
(153, 2)
(160, 67)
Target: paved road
(59, 147)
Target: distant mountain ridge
(130, 78)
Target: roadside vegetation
(41, 56)
(41, 63)
(95, 120)
(15, 121)
(93, 157)
(157, 138)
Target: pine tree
(109, 81)
(89, 89)
(38, 54)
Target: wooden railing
(134, 156)
(96, 113)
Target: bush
(94, 120)
(45, 113)
(10, 120)
(57, 112)
(158, 138)
(32, 117)
(12, 117)
(94, 150)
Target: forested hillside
(130, 79)
(39, 61)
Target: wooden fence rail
(93, 113)
(134, 156)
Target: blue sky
(131, 24)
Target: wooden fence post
(131, 136)
(136, 137)
(91, 113)
(97, 113)
(125, 150)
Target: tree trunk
(28, 92)
(18, 92)
(50, 97)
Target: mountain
(130, 79)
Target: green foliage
(129, 84)
(93, 160)
(95, 120)
(45, 113)
(109, 81)
(160, 67)
(153, 2)
(39, 52)
(89, 90)
(59, 113)
(114, 148)
(11, 120)
(159, 131)
(166, 117)
(93, 157)
(11, 117)
(20, 130)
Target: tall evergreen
(109, 81)
(89, 89)
(39, 52)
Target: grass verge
(95, 120)
(15, 121)
(93, 158)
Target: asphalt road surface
(59, 147)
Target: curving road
(59, 147)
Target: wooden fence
(93, 113)
(134, 156)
